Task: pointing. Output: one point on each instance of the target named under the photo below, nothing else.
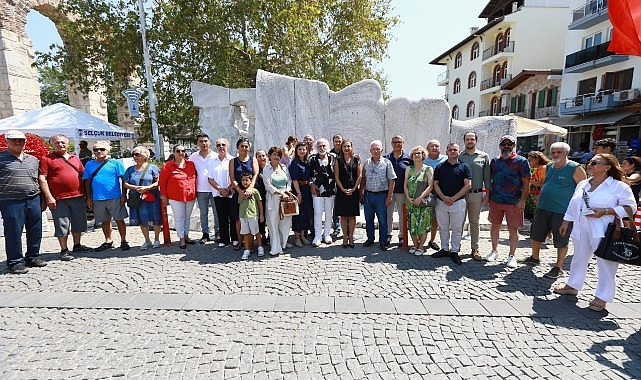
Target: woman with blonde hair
(594, 205)
(419, 217)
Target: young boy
(251, 212)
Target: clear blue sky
(427, 28)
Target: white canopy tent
(529, 127)
(60, 118)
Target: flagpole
(150, 84)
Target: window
(504, 70)
(521, 103)
(471, 80)
(498, 43)
(457, 86)
(475, 51)
(619, 80)
(455, 112)
(496, 75)
(586, 86)
(458, 61)
(592, 40)
(551, 96)
(507, 36)
(470, 109)
(495, 105)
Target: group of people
(246, 195)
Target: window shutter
(553, 96)
(522, 99)
(541, 99)
(513, 104)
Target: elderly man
(561, 178)
(308, 140)
(105, 194)
(479, 163)
(452, 180)
(60, 178)
(323, 188)
(510, 187)
(377, 191)
(20, 204)
(337, 142)
(400, 161)
(434, 157)
(204, 191)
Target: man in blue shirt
(452, 181)
(434, 157)
(400, 161)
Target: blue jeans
(375, 204)
(206, 200)
(17, 215)
(336, 223)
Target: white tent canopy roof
(529, 127)
(60, 118)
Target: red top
(64, 182)
(178, 184)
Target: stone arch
(19, 88)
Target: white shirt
(219, 171)
(202, 169)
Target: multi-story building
(522, 39)
(600, 91)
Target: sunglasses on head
(99, 149)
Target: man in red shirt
(61, 184)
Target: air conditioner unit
(622, 96)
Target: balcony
(591, 13)
(491, 83)
(592, 58)
(494, 50)
(601, 101)
(443, 78)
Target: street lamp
(160, 151)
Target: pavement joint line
(310, 304)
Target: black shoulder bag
(134, 199)
(621, 244)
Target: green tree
(52, 85)
(223, 42)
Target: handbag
(621, 244)
(134, 199)
(288, 208)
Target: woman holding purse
(418, 177)
(595, 203)
(278, 187)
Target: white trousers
(182, 216)
(322, 204)
(397, 203)
(451, 218)
(606, 271)
(278, 229)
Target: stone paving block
(231, 302)
(523, 307)
(113, 301)
(349, 305)
(500, 308)
(173, 301)
(144, 301)
(439, 306)
(290, 303)
(619, 310)
(202, 302)
(315, 304)
(379, 306)
(9, 297)
(409, 306)
(469, 307)
(85, 300)
(635, 306)
(37, 299)
(261, 302)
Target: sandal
(597, 304)
(565, 289)
(238, 246)
(412, 250)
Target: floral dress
(420, 218)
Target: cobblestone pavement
(560, 339)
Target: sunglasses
(595, 163)
(507, 144)
(220, 145)
(99, 149)
(179, 151)
(137, 154)
(397, 142)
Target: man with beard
(479, 163)
(510, 187)
(400, 161)
(561, 177)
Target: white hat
(14, 134)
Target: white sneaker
(145, 246)
(246, 254)
(491, 256)
(220, 245)
(234, 243)
(511, 262)
(316, 243)
(156, 244)
(328, 240)
(261, 252)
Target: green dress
(420, 219)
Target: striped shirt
(18, 178)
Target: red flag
(625, 16)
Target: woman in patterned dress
(420, 218)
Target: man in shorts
(510, 174)
(60, 178)
(103, 186)
(561, 177)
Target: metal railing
(494, 50)
(443, 77)
(589, 8)
(587, 55)
(489, 83)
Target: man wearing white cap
(510, 174)
(20, 204)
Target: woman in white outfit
(593, 206)
(278, 186)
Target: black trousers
(226, 228)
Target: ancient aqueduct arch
(19, 89)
